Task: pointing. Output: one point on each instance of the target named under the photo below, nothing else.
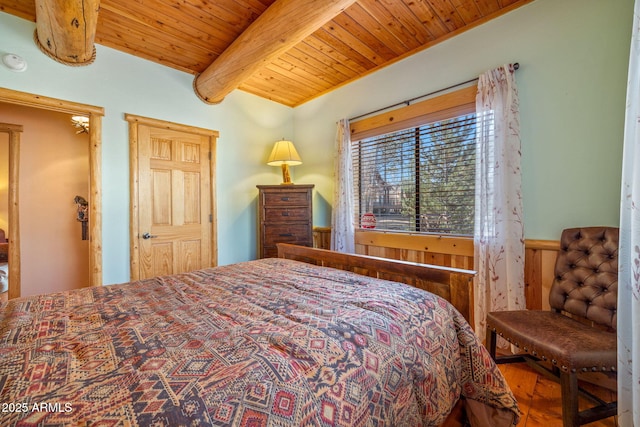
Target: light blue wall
(121, 83)
(573, 57)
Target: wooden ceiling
(189, 35)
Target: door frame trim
(95, 114)
(14, 132)
(134, 230)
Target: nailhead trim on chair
(553, 361)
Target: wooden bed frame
(455, 285)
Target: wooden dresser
(285, 216)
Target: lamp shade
(284, 153)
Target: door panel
(190, 255)
(161, 259)
(174, 201)
(161, 199)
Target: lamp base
(286, 176)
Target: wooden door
(174, 208)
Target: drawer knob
(285, 213)
(286, 234)
(285, 199)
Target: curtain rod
(409, 101)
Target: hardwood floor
(539, 397)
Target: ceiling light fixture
(80, 122)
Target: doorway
(94, 195)
(11, 147)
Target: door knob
(148, 236)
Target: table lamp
(283, 155)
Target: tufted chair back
(586, 274)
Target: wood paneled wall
(457, 252)
(447, 251)
(322, 237)
(539, 262)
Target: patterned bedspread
(271, 342)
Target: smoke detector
(14, 62)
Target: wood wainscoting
(322, 237)
(539, 262)
(456, 252)
(447, 251)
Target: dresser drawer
(273, 214)
(287, 233)
(269, 252)
(295, 234)
(291, 198)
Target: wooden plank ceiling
(189, 35)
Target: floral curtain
(342, 228)
(629, 250)
(499, 230)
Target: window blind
(420, 179)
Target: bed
(271, 342)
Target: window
(419, 178)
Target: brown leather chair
(579, 333)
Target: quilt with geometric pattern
(271, 342)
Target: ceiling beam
(283, 25)
(66, 30)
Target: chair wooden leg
(491, 342)
(570, 392)
(491, 345)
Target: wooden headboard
(455, 285)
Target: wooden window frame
(452, 104)
(459, 102)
